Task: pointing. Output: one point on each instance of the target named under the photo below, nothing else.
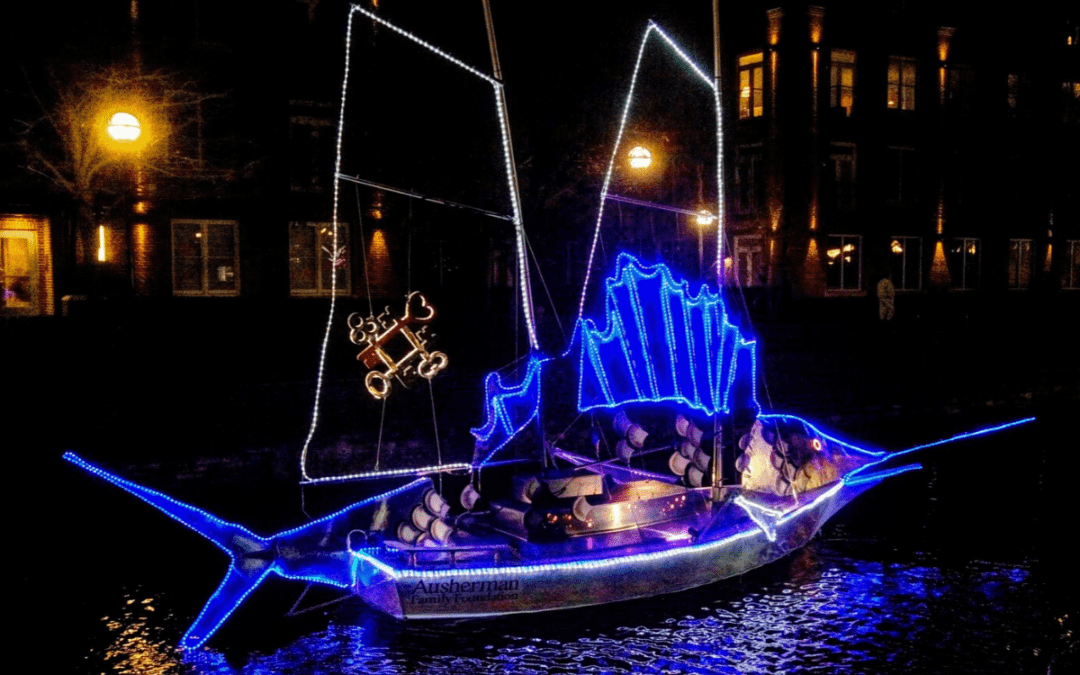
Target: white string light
(515, 201)
(333, 268)
(618, 141)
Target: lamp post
(125, 135)
(703, 219)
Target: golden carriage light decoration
(386, 336)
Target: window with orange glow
(843, 262)
(901, 83)
(751, 85)
(1021, 262)
(965, 258)
(842, 80)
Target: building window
(842, 80)
(311, 153)
(751, 86)
(905, 263)
(964, 263)
(312, 258)
(901, 175)
(1021, 259)
(206, 257)
(901, 84)
(843, 264)
(1072, 264)
(842, 158)
(749, 180)
(750, 260)
(959, 90)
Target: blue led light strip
(880, 475)
(951, 439)
(508, 408)
(595, 563)
(661, 343)
(251, 557)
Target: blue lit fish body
(600, 531)
(318, 551)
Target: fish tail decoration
(318, 551)
(662, 343)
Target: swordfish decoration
(376, 334)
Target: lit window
(1021, 253)
(751, 86)
(905, 263)
(842, 157)
(842, 80)
(749, 260)
(206, 257)
(843, 262)
(312, 257)
(901, 85)
(964, 259)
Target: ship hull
(736, 545)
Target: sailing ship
(682, 481)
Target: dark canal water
(965, 567)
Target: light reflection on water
(821, 610)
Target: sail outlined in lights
(661, 343)
(508, 408)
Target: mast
(718, 427)
(515, 191)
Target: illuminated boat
(594, 531)
(679, 481)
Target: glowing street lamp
(124, 127)
(640, 158)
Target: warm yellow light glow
(1049, 258)
(124, 127)
(896, 247)
(705, 218)
(939, 269)
(728, 263)
(142, 207)
(945, 35)
(640, 158)
(101, 243)
(817, 15)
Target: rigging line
(424, 198)
(363, 252)
(543, 282)
(652, 205)
(435, 423)
(378, 444)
